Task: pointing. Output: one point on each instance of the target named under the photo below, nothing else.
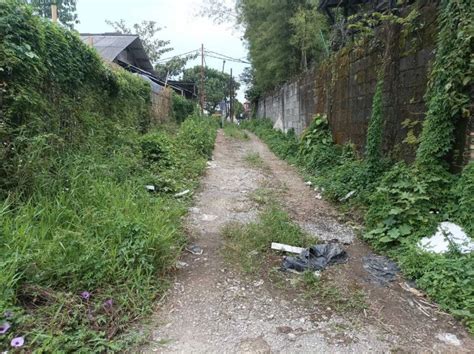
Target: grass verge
(248, 245)
(232, 131)
(89, 251)
(402, 204)
(254, 160)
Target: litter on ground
(347, 196)
(182, 194)
(316, 257)
(194, 249)
(286, 248)
(447, 235)
(381, 269)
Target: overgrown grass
(254, 160)
(91, 226)
(401, 204)
(232, 131)
(248, 245)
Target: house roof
(110, 45)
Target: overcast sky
(180, 22)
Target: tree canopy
(216, 85)
(283, 37)
(66, 10)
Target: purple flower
(17, 342)
(85, 295)
(109, 303)
(8, 314)
(4, 327)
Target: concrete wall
(343, 88)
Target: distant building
(127, 51)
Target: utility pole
(202, 79)
(54, 12)
(231, 104)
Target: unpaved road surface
(211, 307)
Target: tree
(216, 85)
(248, 79)
(66, 10)
(283, 37)
(308, 26)
(219, 11)
(174, 67)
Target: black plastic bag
(316, 257)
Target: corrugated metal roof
(111, 45)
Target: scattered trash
(347, 196)
(317, 274)
(316, 257)
(206, 217)
(410, 289)
(309, 183)
(382, 269)
(449, 338)
(182, 194)
(319, 196)
(194, 249)
(286, 248)
(150, 188)
(258, 283)
(211, 164)
(447, 234)
(181, 265)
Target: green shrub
(75, 215)
(200, 133)
(57, 96)
(461, 208)
(182, 107)
(404, 203)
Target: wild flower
(17, 342)
(85, 295)
(4, 327)
(109, 303)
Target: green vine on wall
(447, 95)
(375, 130)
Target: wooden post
(54, 13)
(231, 103)
(202, 79)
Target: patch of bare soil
(213, 308)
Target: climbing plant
(451, 76)
(374, 132)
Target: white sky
(180, 22)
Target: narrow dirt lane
(213, 308)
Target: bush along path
(229, 294)
(91, 194)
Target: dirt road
(213, 308)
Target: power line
(227, 59)
(223, 56)
(178, 55)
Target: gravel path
(213, 308)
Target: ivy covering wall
(56, 93)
